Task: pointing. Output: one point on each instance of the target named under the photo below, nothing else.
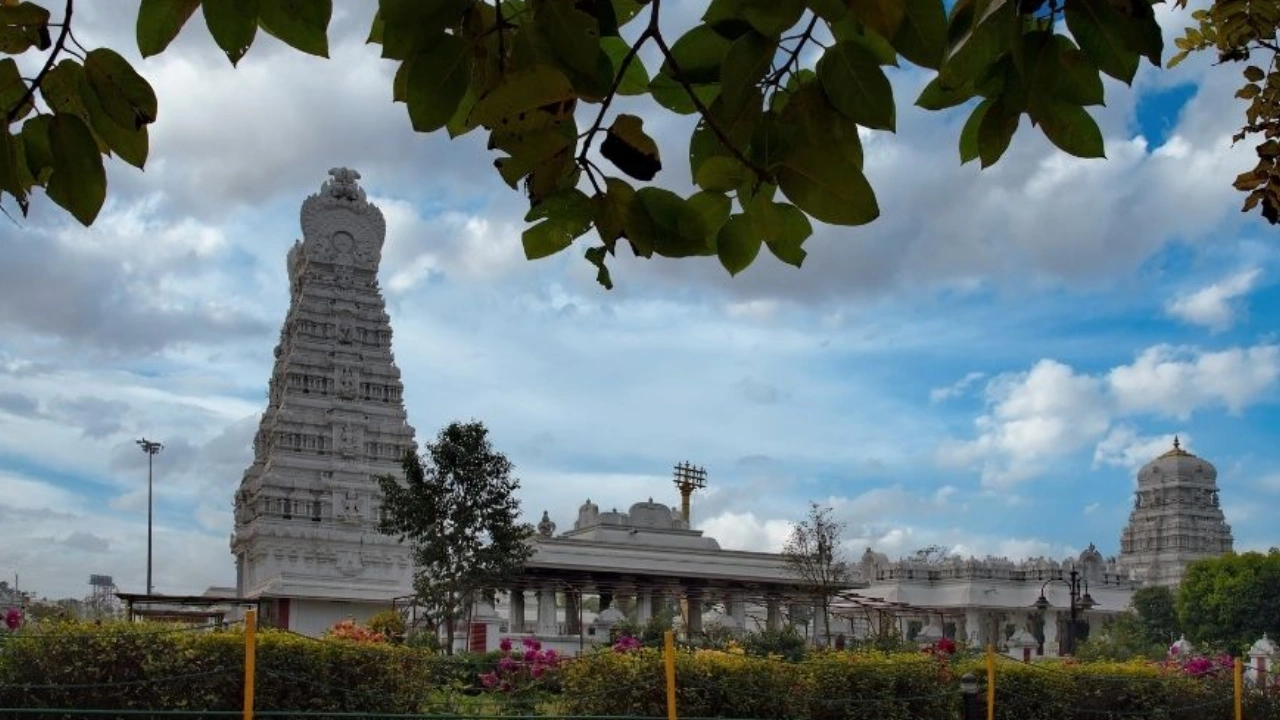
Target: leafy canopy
(815, 557)
(460, 515)
(1230, 601)
(782, 90)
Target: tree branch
(702, 108)
(805, 37)
(651, 31)
(29, 95)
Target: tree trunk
(826, 622)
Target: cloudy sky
(984, 368)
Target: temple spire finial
(1176, 445)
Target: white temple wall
(313, 617)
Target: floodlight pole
(151, 449)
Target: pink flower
(13, 618)
(489, 679)
(530, 655)
(538, 671)
(506, 665)
(528, 642)
(505, 645)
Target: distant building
(306, 541)
(1176, 519)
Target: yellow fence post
(991, 682)
(250, 659)
(1238, 676)
(669, 642)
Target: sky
(985, 367)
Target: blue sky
(985, 367)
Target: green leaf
(936, 96)
(745, 64)
(12, 88)
(23, 26)
(856, 85)
(521, 91)
(131, 144)
(435, 83)
(159, 22)
(786, 234)
(628, 147)
(574, 35)
(301, 24)
(850, 29)
(610, 209)
(565, 215)
(36, 146)
(767, 17)
(530, 150)
(9, 176)
(65, 89)
(996, 131)
(738, 244)
(922, 36)
(720, 173)
(125, 95)
(671, 95)
(826, 186)
(596, 256)
(79, 182)
(408, 26)
(969, 135)
(1100, 30)
(714, 209)
(698, 54)
(636, 79)
(1070, 128)
(972, 59)
(1254, 74)
(820, 124)
(233, 25)
(1066, 73)
(660, 221)
(883, 16)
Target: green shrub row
(151, 667)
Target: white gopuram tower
(306, 539)
(1176, 519)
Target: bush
(152, 666)
(786, 644)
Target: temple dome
(1177, 464)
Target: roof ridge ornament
(343, 185)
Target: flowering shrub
(355, 632)
(524, 673)
(1198, 665)
(626, 643)
(13, 618)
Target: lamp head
(969, 684)
(1042, 603)
(1087, 602)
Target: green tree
(780, 89)
(814, 556)
(460, 515)
(1157, 614)
(1230, 601)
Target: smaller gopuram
(1176, 519)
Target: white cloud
(1212, 306)
(1125, 447)
(955, 389)
(1052, 411)
(1031, 417)
(1176, 381)
(1092, 508)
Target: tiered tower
(1176, 519)
(306, 538)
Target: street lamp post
(1080, 602)
(151, 449)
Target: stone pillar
(1051, 642)
(515, 620)
(644, 605)
(738, 609)
(1262, 662)
(773, 613)
(694, 624)
(572, 612)
(974, 627)
(547, 612)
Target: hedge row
(149, 667)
